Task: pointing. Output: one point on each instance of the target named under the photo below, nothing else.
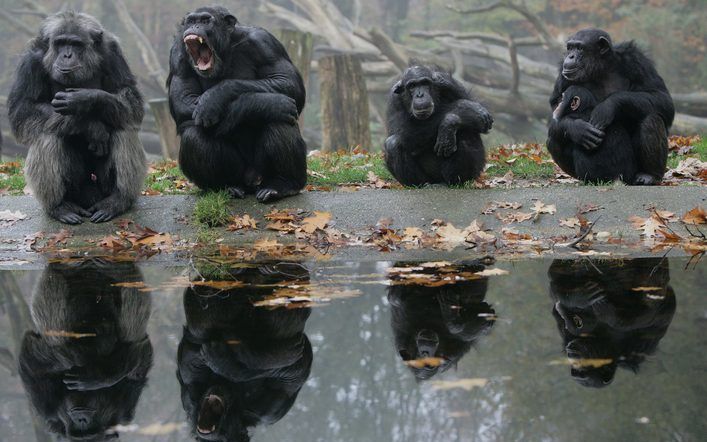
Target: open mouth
(210, 414)
(201, 53)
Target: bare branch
(20, 25)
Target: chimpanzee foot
(236, 192)
(267, 195)
(69, 213)
(104, 211)
(643, 179)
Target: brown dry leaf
(219, 285)
(245, 222)
(514, 235)
(514, 217)
(282, 226)
(464, 384)
(266, 245)
(449, 233)
(114, 243)
(492, 272)
(318, 221)
(695, 216)
(377, 182)
(667, 216)
(539, 208)
(589, 207)
(155, 240)
(9, 218)
(571, 223)
(285, 215)
(59, 238)
(647, 226)
(412, 234)
(67, 334)
(424, 362)
(495, 205)
(130, 285)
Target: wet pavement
(584, 349)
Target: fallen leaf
(647, 226)
(424, 362)
(695, 216)
(245, 222)
(318, 221)
(492, 272)
(9, 218)
(571, 223)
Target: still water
(372, 351)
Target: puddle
(583, 349)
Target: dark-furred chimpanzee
(612, 313)
(87, 362)
(239, 365)
(629, 92)
(76, 105)
(438, 321)
(236, 96)
(618, 160)
(434, 129)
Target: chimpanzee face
(73, 54)
(418, 92)
(585, 53)
(575, 100)
(206, 34)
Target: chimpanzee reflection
(87, 362)
(610, 313)
(441, 318)
(240, 366)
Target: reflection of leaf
(220, 285)
(646, 289)
(492, 272)
(424, 362)
(67, 334)
(131, 285)
(514, 217)
(465, 384)
(160, 429)
(582, 362)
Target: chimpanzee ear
(231, 20)
(97, 37)
(398, 88)
(604, 45)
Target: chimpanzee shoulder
(638, 68)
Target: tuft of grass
(521, 168)
(12, 179)
(211, 209)
(166, 178)
(342, 168)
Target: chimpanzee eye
(205, 20)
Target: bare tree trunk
(344, 103)
(166, 127)
(300, 47)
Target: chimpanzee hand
(284, 109)
(76, 101)
(446, 143)
(105, 210)
(603, 115)
(584, 134)
(485, 117)
(210, 108)
(98, 138)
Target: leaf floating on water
(233, 342)
(582, 362)
(68, 334)
(492, 272)
(695, 216)
(424, 362)
(465, 384)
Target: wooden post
(299, 46)
(167, 128)
(344, 103)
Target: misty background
(506, 51)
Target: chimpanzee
(75, 103)
(87, 362)
(629, 92)
(236, 96)
(434, 129)
(616, 150)
(615, 311)
(240, 366)
(439, 321)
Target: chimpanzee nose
(419, 94)
(571, 57)
(67, 55)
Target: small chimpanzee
(236, 96)
(616, 150)
(76, 105)
(629, 92)
(434, 129)
(612, 313)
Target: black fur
(600, 315)
(440, 321)
(434, 129)
(629, 92)
(76, 105)
(84, 386)
(241, 366)
(237, 119)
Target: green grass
(699, 152)
(522, 168)
(167, 178)
(11, 178)
(211, 209)
(334, 169)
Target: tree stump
(166, 127)
(299, 46)
(344, 103)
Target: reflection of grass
(211, 209)
(345, 168)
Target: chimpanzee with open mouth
(236, 96)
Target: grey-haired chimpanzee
(238, 365)
(615, 311)
(86, 362)
(236, 96)
(76, 105)
(629, 92)
(434, 129)
(617, 159)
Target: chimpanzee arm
(184, 93)
(258, 108)
(635, 105)
(463, 114)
